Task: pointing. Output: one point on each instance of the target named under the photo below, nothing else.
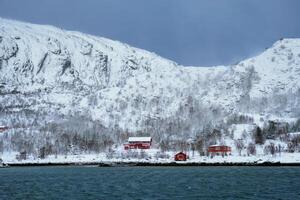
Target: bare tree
(239, 145)
(251, 149)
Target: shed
(180, 156)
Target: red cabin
(3, 128)
(138, 143)
(180, 156)
(222, 149)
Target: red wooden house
(138, 143)
(219, 149)
(3, 128)
(180, 156)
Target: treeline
(193, 128)
(65, 135)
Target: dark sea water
(150, 183)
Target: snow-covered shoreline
(102, 160)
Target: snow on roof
(294, 134)
(139, 139)
(218, 145)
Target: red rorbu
(219, 149)
(138, 143)
(3, 128)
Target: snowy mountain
(53, 76)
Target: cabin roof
(294, 134)
(180, 153)
(139, 139)
(216, 145)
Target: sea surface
(150, 183)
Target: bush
(251, 149)
(270, 149)
(21, 156)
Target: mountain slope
(49, 75)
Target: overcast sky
(190, 32)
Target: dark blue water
(150, 183)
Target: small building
(180, 156)
(3, 128)
(138, 143)
(219, 149)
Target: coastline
(149, 164)
(101, 160)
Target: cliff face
(49, 74)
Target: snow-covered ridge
(67, 73)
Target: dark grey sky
(190, 32)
